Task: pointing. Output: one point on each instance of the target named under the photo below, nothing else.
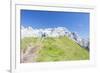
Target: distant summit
(54, 32)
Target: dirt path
(30, 54)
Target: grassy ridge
(56, 49)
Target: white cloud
(50, 32)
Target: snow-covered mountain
(54, 32)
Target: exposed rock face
(54, 32)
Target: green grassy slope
(56, 49)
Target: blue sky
(74, 21)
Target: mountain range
(54, 32)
